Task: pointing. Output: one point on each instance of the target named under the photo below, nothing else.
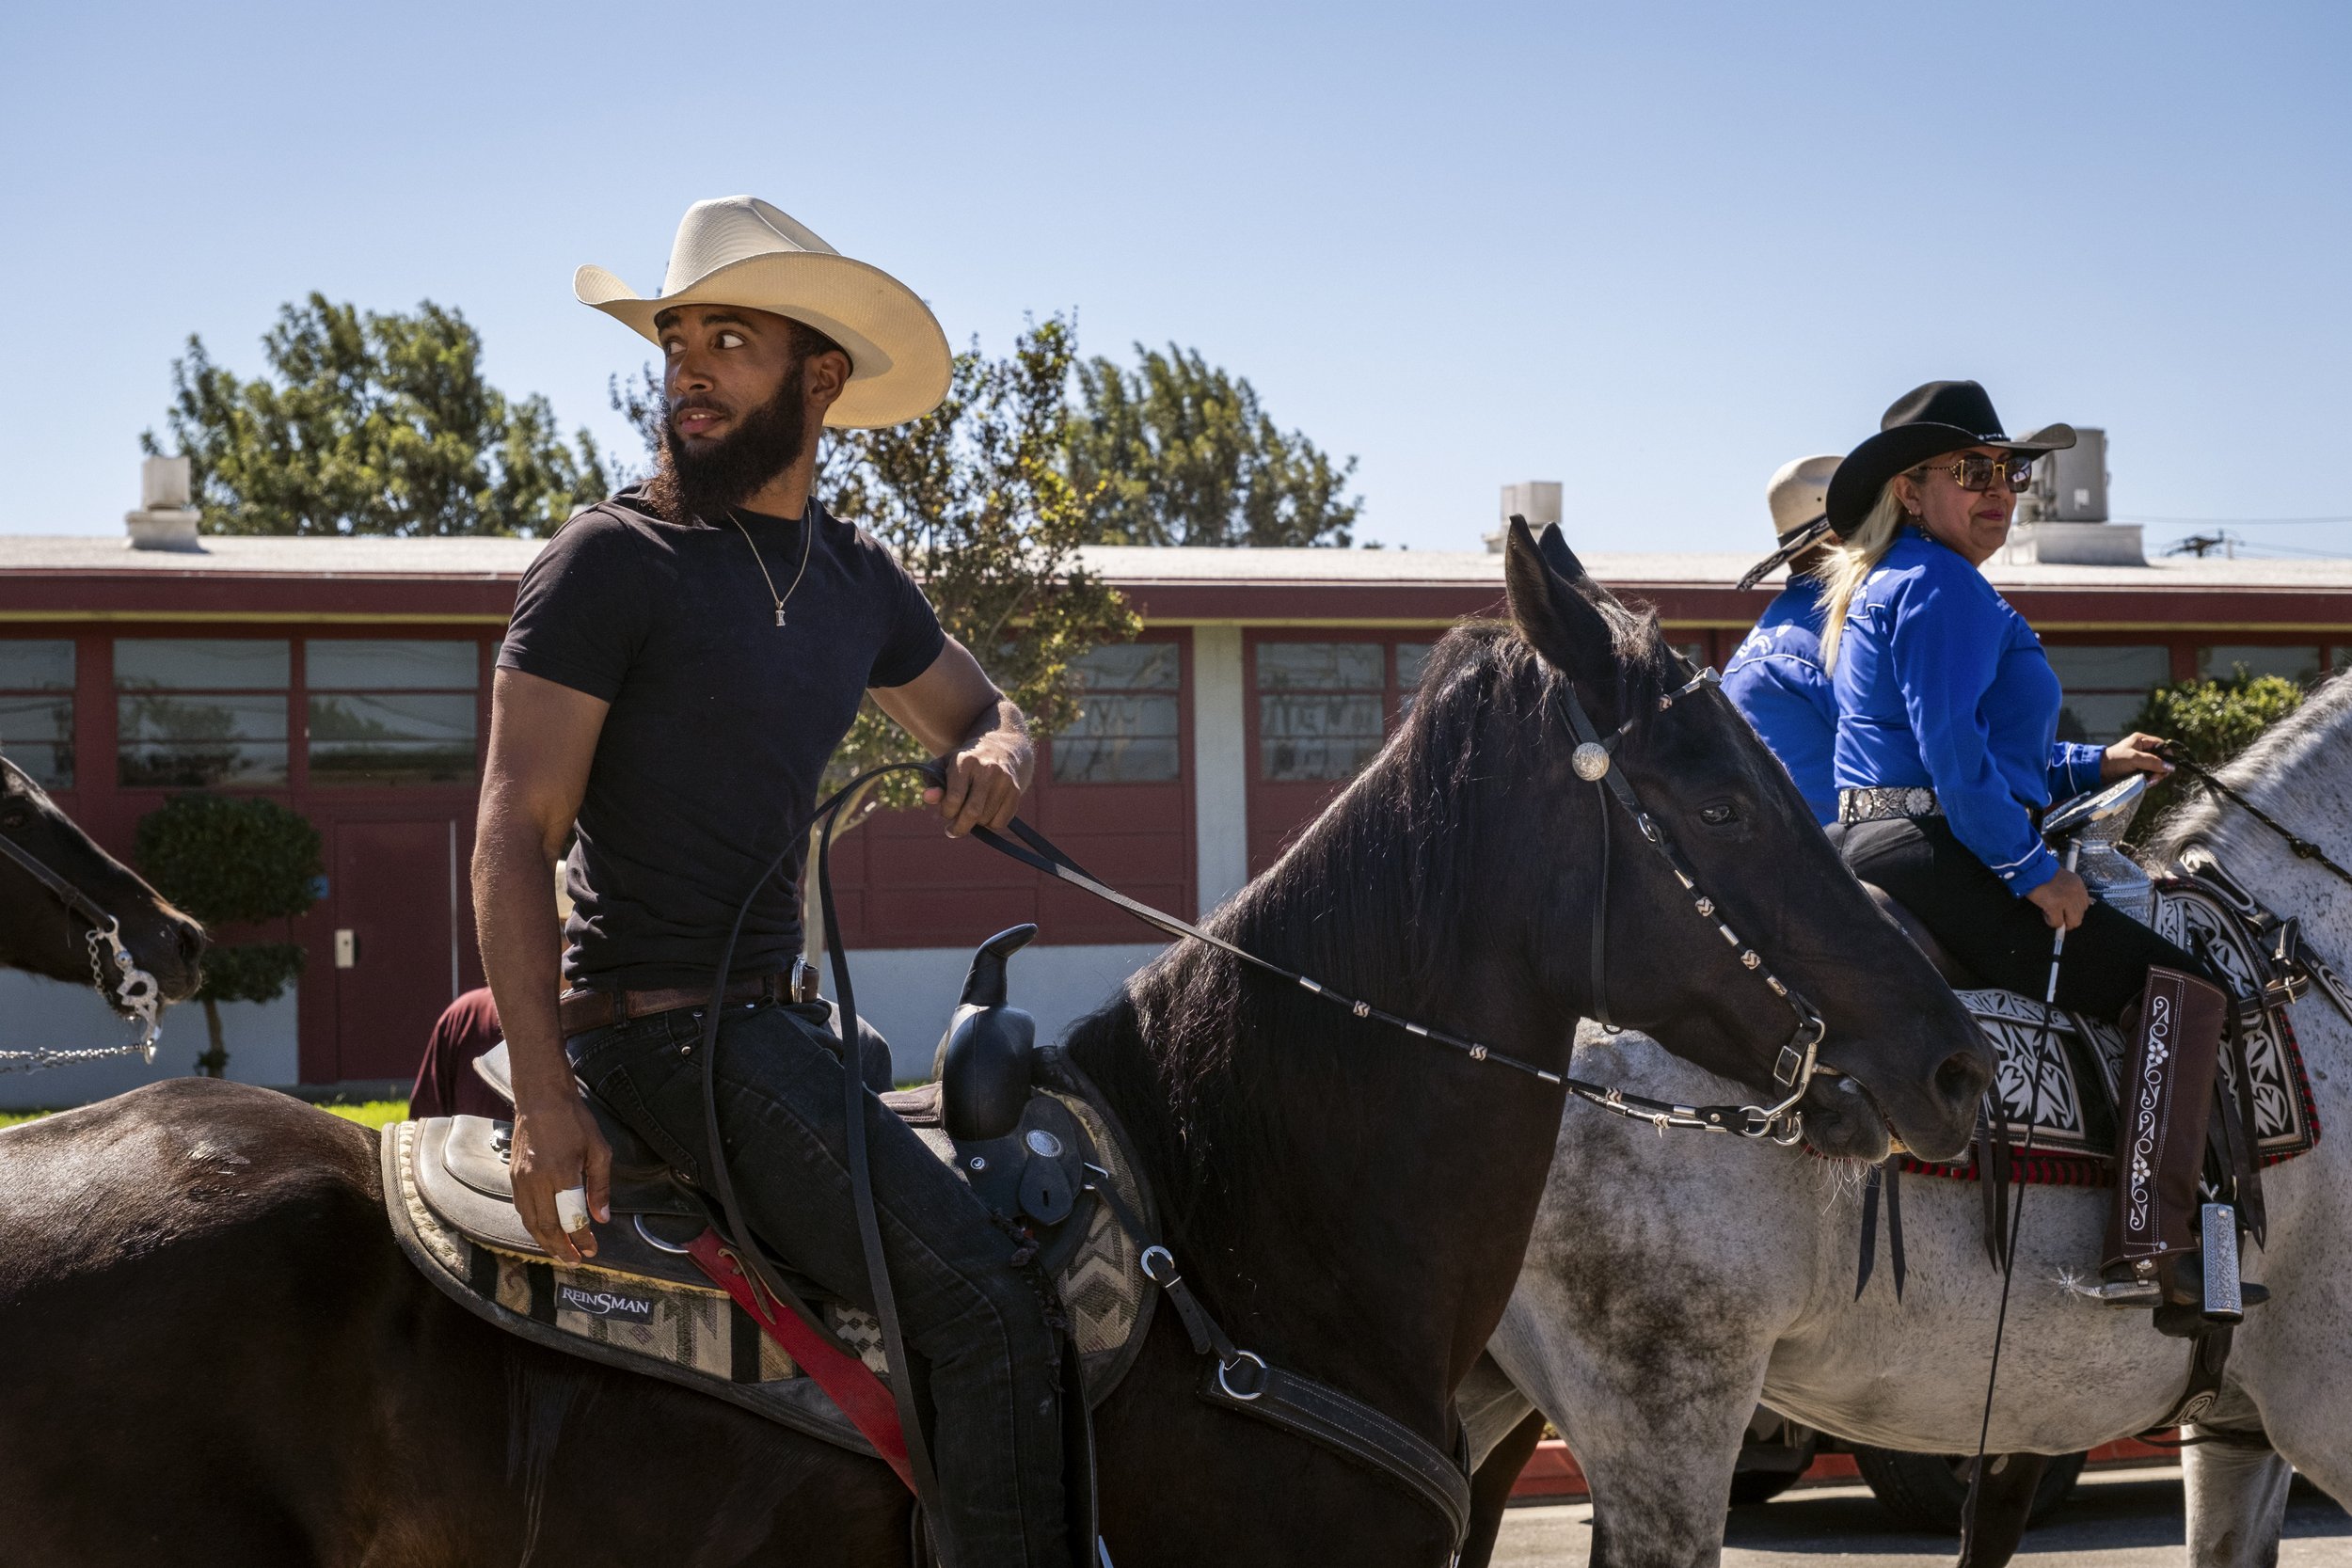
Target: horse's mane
(2286, 748)
(1370, 898)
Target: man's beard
(725, 473)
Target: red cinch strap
(845, 1380)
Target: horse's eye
(1717, 814)
(14, 816)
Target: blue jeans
(973, 1318)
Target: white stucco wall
(46, 1013)
(907, 992)
(1220, 764)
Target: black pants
(967, 1312)
(1999, 936)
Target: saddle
(665, 1296)
(2060, 1077)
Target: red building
(350, 679)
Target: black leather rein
(1594, 759)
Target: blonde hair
(1850, 561)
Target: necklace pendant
(779, 615)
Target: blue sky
(1650, 250)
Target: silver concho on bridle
(1590, 760)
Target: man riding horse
(684, 659)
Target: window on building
(386, 712)
(2106, 686)
(1126, 731)
(191, 712)
(1319, 709)
(1411, 660)
(37, 708)
(2300, 665)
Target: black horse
(41, 934)
(215, 1353)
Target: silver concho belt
(1887, 803)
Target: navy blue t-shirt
(722, 721)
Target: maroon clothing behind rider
(447, 1084)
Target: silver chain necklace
(808, 537)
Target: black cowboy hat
(1924, 422)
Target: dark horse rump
(212, 1342)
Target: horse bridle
(134, 992)
(1595, 761)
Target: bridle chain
(134, 993)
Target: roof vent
(1535, 500)
(165, 520)
(2062, 516)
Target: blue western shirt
(1776, 681)
(1941, 683)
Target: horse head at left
(47, 931)
(1727, 926)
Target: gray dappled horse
(1668, 1288)
(212, 1342)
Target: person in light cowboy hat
(1775, 679)
(1946, 754)
(683, 659)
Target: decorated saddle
(2060, 1078)
(667, 1296)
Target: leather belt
(579, 1011)
(1887, 803)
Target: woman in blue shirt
(1946, 758)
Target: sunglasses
(1976, 471)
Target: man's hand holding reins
(976, 731)
(983, 783)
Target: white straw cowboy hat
(740, 250)
(1799, 496)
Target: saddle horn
(984, 1058)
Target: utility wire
(2202, 522)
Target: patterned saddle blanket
(2058, 1078)
(671, 1323)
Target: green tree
(1178, 452)
(374, 424)
(975, 500)
(2213, 721)
(234, 861)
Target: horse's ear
(1551, 613)
(1562, 559)
(1553, 545)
